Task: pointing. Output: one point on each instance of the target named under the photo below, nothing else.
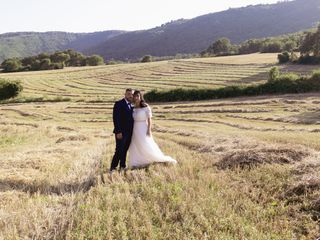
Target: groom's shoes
(111, 172)
(123, 169)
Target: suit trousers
(120, 155)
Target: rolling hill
(194, 35)
(180, 36)
(23, 44)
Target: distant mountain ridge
(180, 36)
(194, 35)
(24, 44)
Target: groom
(123, 127)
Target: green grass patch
(6, 141)
(36, 99)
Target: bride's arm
(149, 126)
(149, 115)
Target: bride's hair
(142, 102)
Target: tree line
(46, 61)
(309, 50)
(224, 47)
(307, 43)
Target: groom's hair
(129, 90)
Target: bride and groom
(132, 129)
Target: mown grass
(35, 99)
(106, 82)
(51, 187)
(192, 201)
(286, 83)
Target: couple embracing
(132, 129)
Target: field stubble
(248, 167)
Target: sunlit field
(248, 168)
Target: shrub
(147, 58)
(308, 59)
(273, 74)
(282, 84)
(9, 89)
(294, 57)
(314, 81)
(284, 57)
(316, 75)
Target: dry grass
(248, 167)
(252, 158)
(255, 58)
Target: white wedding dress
(143, 150)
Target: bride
(143, 150)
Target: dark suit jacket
(122, 118)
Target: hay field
(248, 167)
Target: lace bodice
(141, 114)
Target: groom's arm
(117, 118)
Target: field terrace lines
(102, 82)
(249, 116)
(53, 151)
(58, 167)
(250, 59)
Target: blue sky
(99, 15)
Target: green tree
(42, 56)
(11, 65)
(310, 48)
(272, 47)
(250, 46)
(289, 46)
(307, 44)
(36, 65)
(59, 65)
(316, 43)
(76, 58)
(94, 60)
(60, 57)
(45, 64)
(220, 47)
(28, 61)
